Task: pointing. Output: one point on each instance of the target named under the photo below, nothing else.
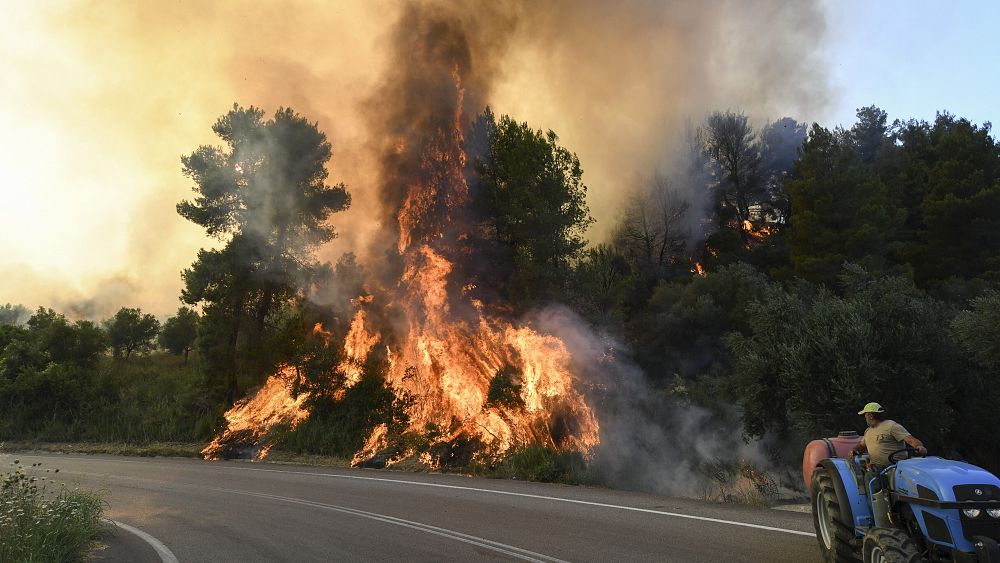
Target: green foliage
(179, 332)
(13, 314)
(55, 340)
(131, 331)
(921, 198)
(540, 463)
(158, 398)
(37, 524)
(735, 149)
(603, 285)
(339, 426)
(840, 213)
(681, 329)
(812, 357)
(959, 164)
(978, 330)
(531, 194)
(265, 191)
(504, 389)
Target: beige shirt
(883, 439)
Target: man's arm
(860, 448)
(914, 443)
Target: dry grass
(740, 482)
(155, 449)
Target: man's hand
(915, 444)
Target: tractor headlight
(972, 512)
(993, 512)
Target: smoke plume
(109, 95)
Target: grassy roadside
(155, 449)
(44, 521)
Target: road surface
(243, 512)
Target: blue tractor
(916, 509)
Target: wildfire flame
(250, 420)
(756, 235)
(444, 361)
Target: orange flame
(357, 345)
(442, 361)
(250, 420)
(756, 235)
(446, 362)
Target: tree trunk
(232, 386)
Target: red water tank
(818, 450)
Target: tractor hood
(934, 478)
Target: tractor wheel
(890, 545)
(836, 537)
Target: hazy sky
(914, 57)
(98, 100)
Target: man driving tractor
(883, 436)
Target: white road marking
(542, 497)
(163, 551)
(512, 551)
(510, 493)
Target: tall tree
(812, 357)
(780, 141)
(13, 314)
(130, 330)
(179, 332)
(842, 212)
(265, 192)
(869, 132)
(530, 191)
(653, 231)
(733, 145)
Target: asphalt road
(242, 512)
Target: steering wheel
(910, 452)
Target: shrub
(540, 463)
(38, 526)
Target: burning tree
(265, 193)
(443, 344)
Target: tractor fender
(853, 505)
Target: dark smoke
(627, 81)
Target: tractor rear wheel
(836, 537)
(890, 545)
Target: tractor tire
(836, 537)
(890, 545)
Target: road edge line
(542, 497)
(166, 556)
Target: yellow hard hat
(872, 407)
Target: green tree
(977, 329)
(531, 194)
(680, 331)
(653, 231)
(812, 357)
(179, 332)
(59, 341)
(266, 192)
(841, 212)
(960, 209)
(735, 148)
(869, 132)
(131, 330)
(13, 314)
